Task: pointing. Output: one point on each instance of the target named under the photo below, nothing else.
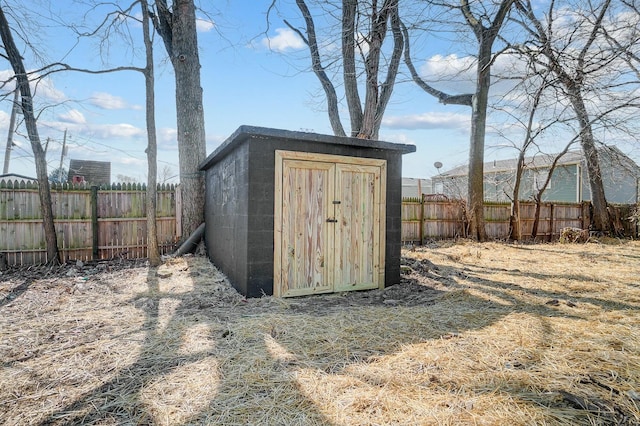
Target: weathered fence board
(443, 218)
(91, 223)
(438, 218)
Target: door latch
(332, 220)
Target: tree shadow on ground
(260, 361)
(128, 398)
(15, 292)
(540, 248)
(472, 273)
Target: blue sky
(246, 79)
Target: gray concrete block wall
(226, 215)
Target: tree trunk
(486, 37)
(364, 119)
(153, 252)
(600, 219)
(572, 77)
(178, 31)
(476, 148)
(44, 192)
(394, 65)
(536, 217)
(379, 24)
(515, 231)
(349, 8)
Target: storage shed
(294, 213)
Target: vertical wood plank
(311, 256)
(94, 222)
(120, 212)
(357, 236)
(178, 212)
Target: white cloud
(457, 75)
(130, 161)
(72, 116)
(116, 131)
(4, 119)
(398, 138)
(362, 44)
(45, 88)
(108, 101)
(40, 88)
(429, 120)
(449, 67)
(6, 75)
(167, 138)
(204, 25)
(285, 39)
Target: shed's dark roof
(245, 132)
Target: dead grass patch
(475, 334)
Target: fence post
(551, 208)
(421, 227)
(178, 195)
(586, 215)
(94, 221)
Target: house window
(539, 177)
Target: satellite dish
(437, 165)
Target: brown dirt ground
(473, 334)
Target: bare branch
(163, 23)
(443, 97)
(394, 64)
(319, 70)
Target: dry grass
(475, 334)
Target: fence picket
(444, 219)
(120, 222)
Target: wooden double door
(329, 222)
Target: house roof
(15, 176)
(94, 172)
(542, 161)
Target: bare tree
(364, 27)
(515, 230)
(165, 174)
(486, 29)
(537, 196)
(111, 25)
(624, 39)
(177, 27)
(153, 252)
(538, 82)
(22, 82)
(574, 54)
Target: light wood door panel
(329, 223)
(307, 189)
(357, 233)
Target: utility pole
(64, 146)
(12, 125)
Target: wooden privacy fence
(92, 223)
(437, 217)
